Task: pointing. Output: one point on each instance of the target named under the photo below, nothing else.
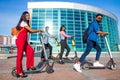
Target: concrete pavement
(62, 72)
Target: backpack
(85, 35)
(15, 32)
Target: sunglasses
(99, 18)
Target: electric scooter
(56, 59)
(49, 68)
(57, 45)
(75, 59)
(110, 65)
(41, 65)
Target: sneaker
(77, 67)
(21, 75)
(66, 57)
(61, 62)
(97, 64)
(31, 69)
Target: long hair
(62, 27)
(22, 18)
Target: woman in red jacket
(23, 45)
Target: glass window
(34, 25)
(77, 28)
(70, 32)
(35, 10)
(63, 18)
(69, 11)
(69, 22)
(34, 17)
(42, 10)
(77, 18)
(55, 14)
(69, 15)
(70, 28)
(63, 14)
(34, 28)
(55, 10)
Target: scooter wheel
(113, 67)
(109, 64)
(49, 69)
(86, 66)
(14, 72)
(76, 59)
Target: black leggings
(46, 46)
(64, 45)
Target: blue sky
(11, 10)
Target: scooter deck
(41, 65)
(92, 67)
(66, 60)
(39, 68)
(89, 65)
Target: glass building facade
(75, 19)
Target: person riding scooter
(92, 42)
(46, 37)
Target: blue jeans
(90, 45)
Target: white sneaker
(97, 64)
(66, 57)
(77, 67)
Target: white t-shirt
(23, 24)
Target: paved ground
(62, 72)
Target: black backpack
(85, 35)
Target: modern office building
(75, 17)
